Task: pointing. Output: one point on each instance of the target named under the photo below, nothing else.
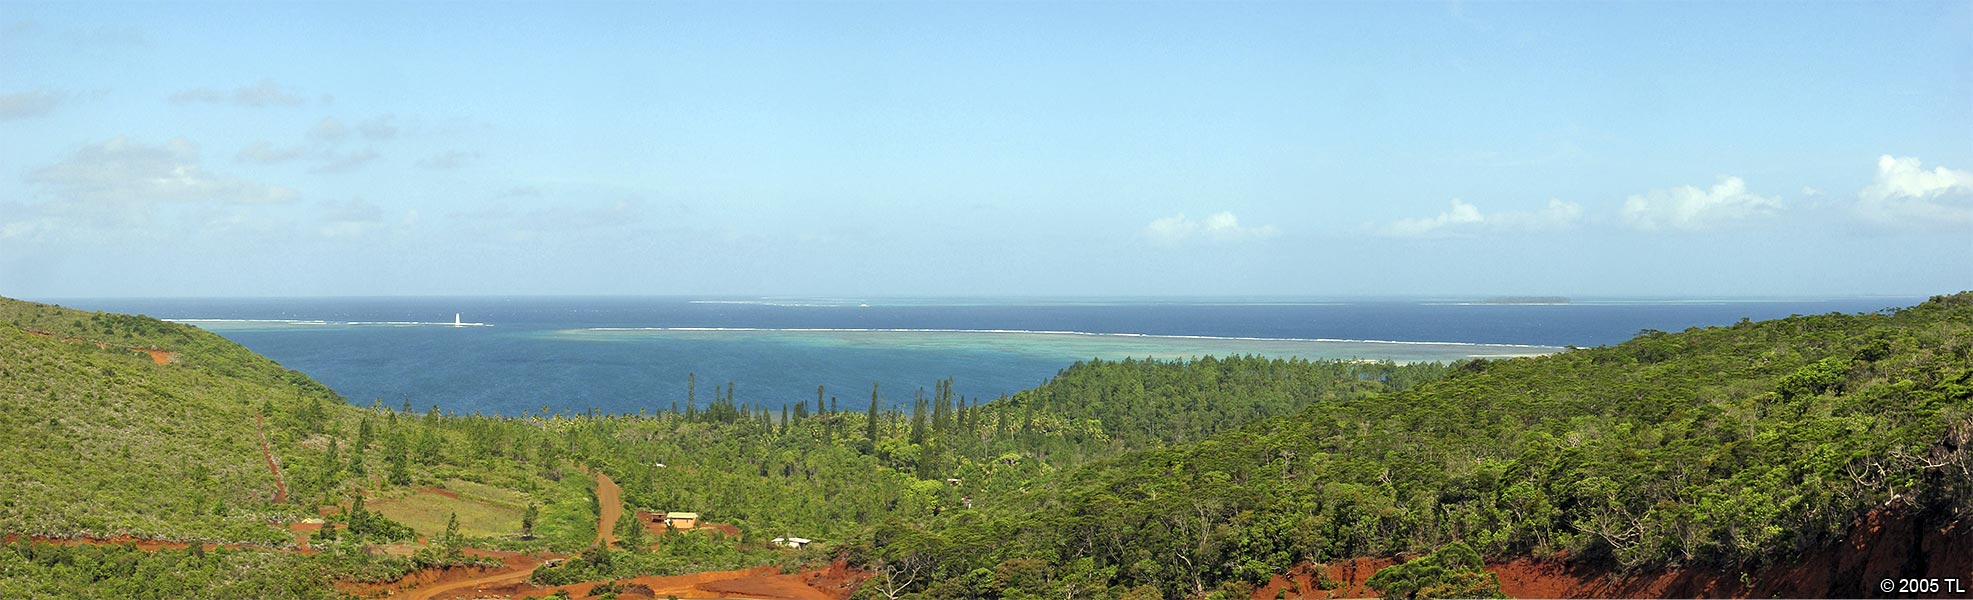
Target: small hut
(682, 520)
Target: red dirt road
(515, 572)
(510, 579)
(455, 582)
(280, 483)
(764, 583)
(609, 502)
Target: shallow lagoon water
(1070, 346)
(631, 354)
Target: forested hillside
(102, 441)
(1733, 446)
(824, 474)
(1726, 447)
(132, 427)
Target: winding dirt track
(510, 580)
(498, 579)
(609, 502)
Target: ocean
(623, 355)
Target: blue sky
(1031, 149)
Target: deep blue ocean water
(583, 353)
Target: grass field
(480, 514)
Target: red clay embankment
(764, 583)
(1890, 543)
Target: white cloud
(29, 104)
(378, 128)
(1905, 194)
(324, 145)
(448, 160)
(132, 187)
(329, 130)
(264, 152)
(353, 218)
(335, 162)
(1463, 218)
(1219, 227)
(122, 172)
(264, 94)
(1689, 208)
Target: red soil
(162, 357)
(609, 501)
(302, 531)
(280, 483)
(1300, 580)
(838, 581)
(510, 579)
(653, 522)
(726, 529)
(765, 583)
(1891, 543)
(159, 356)
(454, 582)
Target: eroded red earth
(1891, 543)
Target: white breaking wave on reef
(1052, 332)
(317, 322)
(270, 321)
(786, 303)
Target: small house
(792, 542)
(682, 520)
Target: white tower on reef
(455, 321)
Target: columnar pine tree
(528, 518)
(870, 423)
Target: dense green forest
(1726, 446)
(1732, 445)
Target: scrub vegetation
(1731, 446)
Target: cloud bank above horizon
(1201, 150)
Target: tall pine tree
(870, 423)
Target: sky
(873, 149)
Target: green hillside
(114, 445)
(1728, 446)
(103, 442)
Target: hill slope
(104, 442)
(1729, 446)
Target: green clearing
(427, 512)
